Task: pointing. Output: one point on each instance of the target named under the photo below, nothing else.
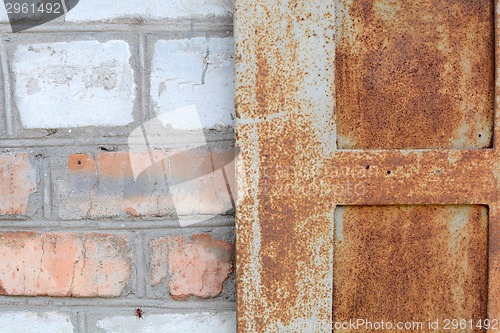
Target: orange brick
(206, 195)
(124, 164)
(198, 268)
(202, 181)
(81, 163)
(137, 184)
(115, 164)
(223, 157)
(186, 165)
(63, 264)
(115, 184)
(17, 182)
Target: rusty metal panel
(291, 175)
(415, 74)
(410, 263)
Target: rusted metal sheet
(410, 264)
(284, 65)
(415, 74)
(291, 176)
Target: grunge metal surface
(401, 263)
(414, 74)
(292, 176)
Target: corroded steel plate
(292, 177)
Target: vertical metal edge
(494, 207)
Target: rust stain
(410, 263)
(415, 74)
(277, 204)
(294, 229)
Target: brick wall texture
(117, 169)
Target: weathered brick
(198, 183)
(206, 322)
(114, 184)
(63, 81)
(63, 264)
(159, 261)
(198, 72)
(18, 180)
(138, 10)
(197, 268)
(128, 184)
(43, 322)
(186, 165)
(81, 163)
(225, 159)
(74, 84)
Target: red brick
(192, 164)
(82, 163)
(186, 165)
(17, 182)
(226, 160)
(159, 261)
(198, 268)
(63, 264)
(128, 165)
(223, 157)
(199, 185)
(114, 188)
(116, 164)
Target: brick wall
(116, 160)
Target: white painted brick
(197, 72)
(221, 322)
(30, 322)
(109, 10)
(74, 84)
